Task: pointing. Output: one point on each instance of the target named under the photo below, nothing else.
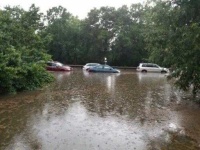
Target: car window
(53, 64)
(143, 65)
(150, 65)
(155, 66)
(58, 64)
(107, 67)
(99, 67)
(49, 64)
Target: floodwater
(99, 111)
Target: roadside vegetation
(163, 32)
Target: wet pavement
(99, 111)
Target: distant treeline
(163, 32)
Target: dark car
(57, 66)
(103, 68)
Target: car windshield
(99, 66)
(107, 67)
(156, 66)
(59, 64)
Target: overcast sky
(78, 8)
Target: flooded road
(98, 111)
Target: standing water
(99, 111)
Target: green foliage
(172, 37)
(31, 76)
(106, 32)
(164, 32)
(21, 50)
(115, 34)
(64, 29)
(128, 49)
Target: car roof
(92, 64)
(104, 65)
(148, 63)
(53, 62)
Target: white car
(90, 65)
(150, 67)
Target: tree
(99, 32)
(64, 29)
(22, 50)
(173, 39)
(185, 44)
(115, 34)
(128, 48)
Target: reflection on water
(87, 111)
(107, 79)
(150, 76)
(77, 129)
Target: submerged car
(150, 67)
(57, 66)
(103, 68)
(90, 65)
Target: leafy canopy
(22, 53)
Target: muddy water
(91, 111)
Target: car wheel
(144, 71)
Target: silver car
(90, 65)
(150, 67)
